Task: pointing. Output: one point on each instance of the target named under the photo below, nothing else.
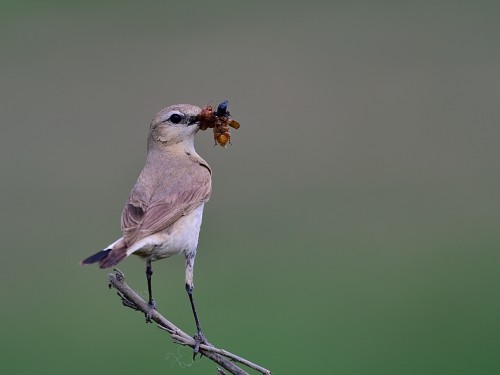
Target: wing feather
(142, 217)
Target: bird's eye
(175, 118)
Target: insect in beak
(220, 121)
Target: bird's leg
(151, 302)
(199, 338)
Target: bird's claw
(199, 339)
(148, 315)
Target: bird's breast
(179, 238)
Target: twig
(225, 353)
(131, 298)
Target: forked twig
(220, 356)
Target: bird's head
(174, 124)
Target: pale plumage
(163, 213)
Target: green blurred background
(353, 227)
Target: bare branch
(220, 356)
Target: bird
(163, 213)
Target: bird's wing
(142, 217)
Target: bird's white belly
(180, 237)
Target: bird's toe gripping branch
(199, 339)
(149, 314)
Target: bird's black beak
(193, 120)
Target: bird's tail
(97, 257)
(108, 257)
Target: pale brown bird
(163, 213)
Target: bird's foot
(199, 339)
(149, 314)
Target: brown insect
(206, 117)
(220, 121)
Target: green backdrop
(354, 222)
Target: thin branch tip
(222, 357)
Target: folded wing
(146, 215)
